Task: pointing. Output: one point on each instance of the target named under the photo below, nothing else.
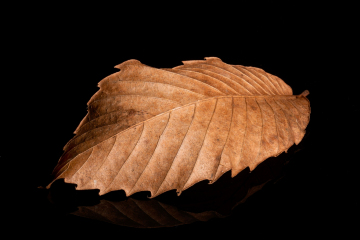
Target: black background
(63, 54)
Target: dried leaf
(155, 130)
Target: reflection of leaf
(154, 130)
(142, 213)
(151, 213)
(202, 202)
(251, 191)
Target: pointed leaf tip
(305, 93)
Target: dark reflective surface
(60, 55)
(200, 203)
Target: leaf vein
(227, 137)
(246, 81)
(266, 84)
(106, 156)
(194, 70)
(260, 72)
(299, 113)
(276, 126)
(246, 118)
(262, 129)
(258, 85)
(157, 144)
(193, 116)
(92, 150)
(142, 131)
(202, 144)
(133, 95)
(286, 117)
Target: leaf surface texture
(150, 129)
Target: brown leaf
(155, 130)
